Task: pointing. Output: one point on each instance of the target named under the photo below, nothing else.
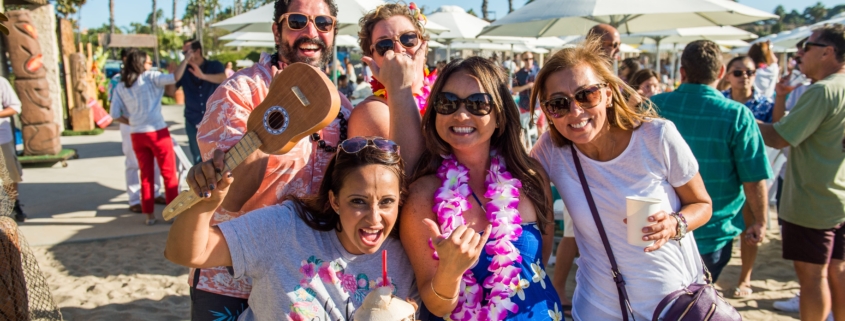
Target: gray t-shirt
(299, 273)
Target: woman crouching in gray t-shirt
(309, 258)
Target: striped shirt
(727, 143)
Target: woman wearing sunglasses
(476, 177)
(393, 40)
(741, 76)
(624, 151)
(309, 258)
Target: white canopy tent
(788, 39)
(684, 36)
(575, 17)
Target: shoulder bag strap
(614, 269)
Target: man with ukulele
(264, 179)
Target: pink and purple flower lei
(450, 203)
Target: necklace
(322, 144)
(421, 98)
(450, 203)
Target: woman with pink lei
(475, 176)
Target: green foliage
(232, 56)
(67, 8)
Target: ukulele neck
(238, 153)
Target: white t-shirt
(8, 99)
(299, 273)
(766, 80)
(656, 160)
(141, 103)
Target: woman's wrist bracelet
(438, 294)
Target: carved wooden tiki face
(24, 50)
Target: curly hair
(619, 113)
(383, 12)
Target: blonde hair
(589, 53)
(383, 12)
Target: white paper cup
(639, 209)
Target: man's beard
(288, 52)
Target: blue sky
(96, 12)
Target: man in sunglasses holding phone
(730, 151)
(523, 80)
(199, 82)
(304, 31)
(813, 207)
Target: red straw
(384, 268)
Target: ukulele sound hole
(276, 120)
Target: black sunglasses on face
(479, 104)
(298, 21)
(809, 44)
(586, 98)
(739, 73)
(407, 40)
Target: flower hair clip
(417, 14)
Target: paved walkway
(87, 200)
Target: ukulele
(300, 101)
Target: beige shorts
(10, 158)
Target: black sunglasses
(407, 40)
(739, 73)
(809, 44)
(357, 144)
(586, 98)
(297, 21)
(478, 104)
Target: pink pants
(155, 146)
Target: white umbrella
(626, 48)
(686, 35)
(788, 39)
(249, 36)
(518, 48)
(575, 17)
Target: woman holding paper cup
(629, 157)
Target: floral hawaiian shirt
(760, 106)
(299, 172)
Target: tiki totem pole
(40, 132)
(81, 116)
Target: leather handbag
(695, 302)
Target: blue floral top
(535, 297)
(760, 105)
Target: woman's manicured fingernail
(229, 174)
(207, 194)
(645, 238)
(211, 187)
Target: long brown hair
(506, 139)
(316, 211)
(383, 12)
(589, 53)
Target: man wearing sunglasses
(304, 31)
(198, 83)
(523, 80)
(813, 207)
(729, 150)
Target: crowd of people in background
(434, 152)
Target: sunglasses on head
(739, 73)
(478, 104)
(586, 98)
(298, 21)
(407, 40)
(357, 144)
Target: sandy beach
(129, 279)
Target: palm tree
(111, 16)
(154, 22)
(173, 21)
(484, 9)
(510, 6)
